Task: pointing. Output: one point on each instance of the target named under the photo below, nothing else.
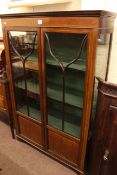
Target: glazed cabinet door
(68, 83)
(24, 69)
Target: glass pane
(24, 60)
(66, 64)
(102, 53)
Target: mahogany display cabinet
(51, 69)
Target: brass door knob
(106, 154)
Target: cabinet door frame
(89, 82)
(10, 77)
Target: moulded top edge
(86, 13)
(107, 83)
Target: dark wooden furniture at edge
(5, 102)
(48, 54)
(104, 145)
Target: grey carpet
(9, 167)
(17, 158)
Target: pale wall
(77, 5)
(109, 5)
(113, 63)
(4, 9)
(94, 4)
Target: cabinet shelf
(80, 66)
(34, 113)
(16, 58)
(70, 128)
(71, 99)
(72, 117)
(31, 63)
(32, 87)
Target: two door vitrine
(51, 71)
